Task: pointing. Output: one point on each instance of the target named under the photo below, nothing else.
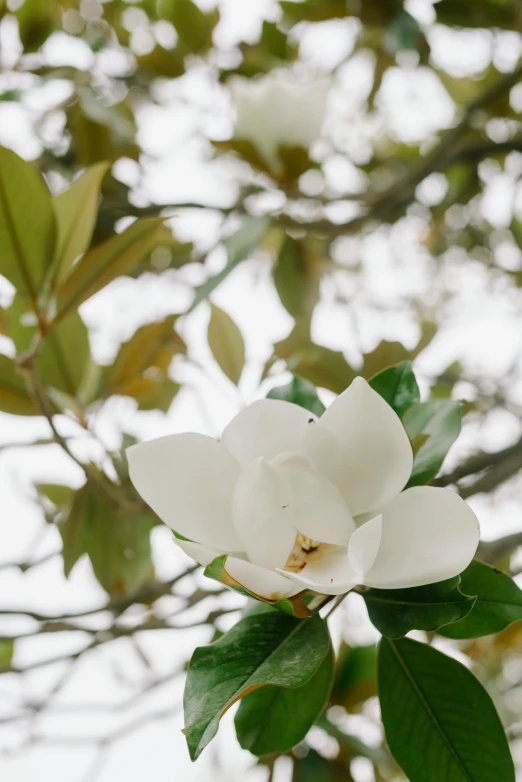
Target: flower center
(303, 551)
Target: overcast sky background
(481, 329)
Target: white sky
(481, 328)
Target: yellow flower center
(303, 551)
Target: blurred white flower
(278, 110)
(305, 503)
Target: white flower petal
(260, 580)
(317, 507)
(364, 547)
(330, 574)
(266, 428)
(428, 535)
(188, 480)
(372, 458)
(202, 554)
(262, 516)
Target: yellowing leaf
(152, 345)
(75, 211)
(117, 256)
(152, 392)
(140, 369)
(226, 343)
(27, 224)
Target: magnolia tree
(355, 168)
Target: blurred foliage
(88, 228)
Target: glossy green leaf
(435, 426)
(498, 604)
(398, 386)
(275, 719)
(238, 247)
(439, 722)
(76, 209)
(226, 343)
(27, 225)
(15, 397)
(109, 260)
(297, 274)
(301, 393)
(264, 648)
(395, 612)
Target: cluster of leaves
(54, 269)
(439, 721)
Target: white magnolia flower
(304, 503)
(276, 111)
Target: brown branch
(484, 461)
(492, 551)
(147, 594)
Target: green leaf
(37, 19)
(314, 10)
(118, 255)
(226, 343)
(65, 353)
(439, 722)
(355, 675)
(275, 719)
(354, 746)
(6, 653)
(395, 612)
(436, 425)
(74, 529)
(274, 40)
(238, 247)
(297, 274)
(313, 767)
(266, 647)
(192, 25)
(76, 209)
(398, 386)
(118, 545)
(301, 393)
(57, 494)
(14, 395)
(27, 225)
(498, 604)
